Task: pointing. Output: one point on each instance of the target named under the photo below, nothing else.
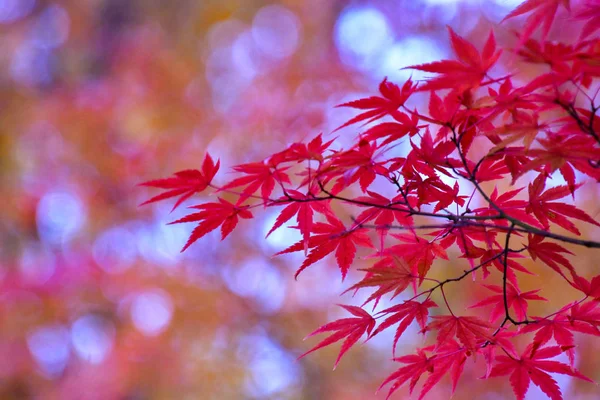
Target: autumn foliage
(474, 184)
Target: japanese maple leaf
(443, 111)
(185, 183)
(514, 298)
(562, 152)
(418, 252)
(405, 314)
(557, 56)
(585, 317)
(501, 343)
(591, 12)
(213, 215)
(430, 190)
(330, 237)
(466, 73)
(387, 275)
(382, 216)
(470, 331)
(526, 129)
(352, 329)
(429, 156)
(449, 358)
(495, 258)
(589, 288)
(546, 329)
(546, 210)
(558, 328)
(574, 317)
(393, 98)
(304, 209)
(533, 366)
(542, 16)
(509, 100)
(464, 236)
(588, 117)
(258, 175)
(587, 66)
(417, 365)
(491, 169)
(514, 158)
(449, 197)
(550, 254)
(358, 164)
(383, 212)
(312, 150)
(511, 207)
(457, 113)
(393, 131)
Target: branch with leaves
(410, 210)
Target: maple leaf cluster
(477, 128)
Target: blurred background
(96, 96)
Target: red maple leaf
(330, 237)
(562, 152)
(514, 298)
(377, 211)
(417, 365)
(510, 101)
(589, 288)
(184, 183)
(533, 366)
(501, 342)
(466, 73)
(549, 253)
(387, 275)
(449, 358)
(542, 16)
(450, 197)
(526, 129)
(213, 215)
(350, 328)
(498, 261)
(470, 331)
(418, 252)
(358, 164)
(258, 175)
(558, 56)
(444, 112)
(394, 131)
(405, 313)
(429, 190)
(393, 98)
(585, 317)
(383, 212)
(302, 151)
(304, 209)
(545, 210)
(464, 237)
(511, 207)
(574, 317)
(491, 169)
(429, 157)
(591, 12)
